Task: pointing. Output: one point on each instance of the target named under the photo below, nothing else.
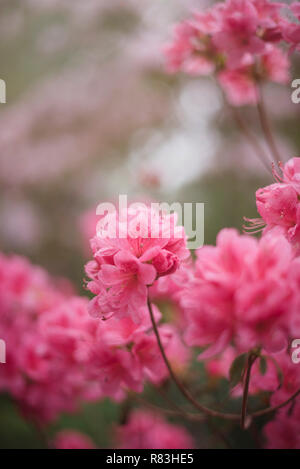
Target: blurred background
(91, 114)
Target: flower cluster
(126, 354)
(58, 356)
(139, 246)
(279, 204)
(238, 42)
(244, 292)
(48, 334)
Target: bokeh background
(91, 113)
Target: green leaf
(263, 365)
(280, 376)
(279, 372)
(237, 369)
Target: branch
(185, 392)
(250, 362)
(266, 127)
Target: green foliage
(237, 369)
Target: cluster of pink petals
(58, 356)
(237, 41)
(291, 30)
(244, 292)
(127, 354)
(279, 204)
(144, 247)
(147, 430)
(48, 334)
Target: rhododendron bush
(190, 348)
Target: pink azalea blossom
(48, 335)
(241, 84)
(126, 263)
(279, 205)
(241, 292)
(192, 50)
(238, 37)
(238, 42)
(149, 358)
(291, 30)
(291, 173)
(220, 366)
(57, 355)
(147, 430)
(68, 439)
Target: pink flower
(49, 335)
(68, 439)
(145, 247)
(236, 41)
(149, 358)
(116, 371)
(146, 430)
(279, 205)
(269, 14)
(238, 37)
(240, 84)
(291, 173)
(184, 55)
(291, 30)
(241, 292)
(57, 355)
(192, 50)
(124, 331)
(275, 65)
(220, 366)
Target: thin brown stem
(185, 392)
(266, 127)
(259, 151)
(250, 362)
